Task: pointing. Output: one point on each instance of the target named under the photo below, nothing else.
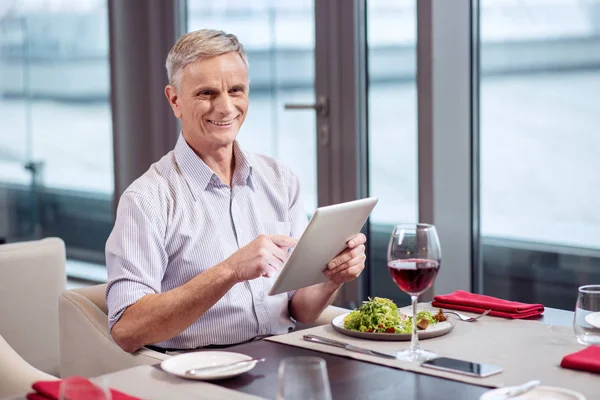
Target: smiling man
(200, 237)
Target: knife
(347, 346)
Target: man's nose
(223, 104)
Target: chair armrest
(86, 345)
(16, 374)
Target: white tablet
(325, 237)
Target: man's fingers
(270, 271)
(279, 253)
(346, 256)
(357, 240)
(275, 261)
(351, 272)
(283, 241)
(360, 260)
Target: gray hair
(199, 45)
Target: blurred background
(538, 104)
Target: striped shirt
(178, 220)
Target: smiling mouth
(223, 123)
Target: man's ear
(173, 98)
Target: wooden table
(352, 379)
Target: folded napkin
(50, 390)
(587, 359)
(478, 303)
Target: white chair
(86, 345)
(32, 276)
(16, 374)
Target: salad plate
(439, 329)
(380, 319)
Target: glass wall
(539, 118)
(392, 131)
(279, 39)
(56, 168)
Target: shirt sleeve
(297, 212)
(136, 258)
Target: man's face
(211, 100)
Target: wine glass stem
(414, 340)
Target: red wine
(413, 276)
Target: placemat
(525, 350)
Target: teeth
(222, 123)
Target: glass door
(280, 41)
(392, 131)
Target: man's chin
(225, 136)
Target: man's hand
(264, 256)
(348, 264)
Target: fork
(465, 318)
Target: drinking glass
(303, 378)
(413, 258)
(76, 387)
(587, 315)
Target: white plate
(439, 329)
(593, 319)
(177, 365)
(539, 393)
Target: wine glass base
(417, 354)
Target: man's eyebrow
(205, 88)
(239, 86)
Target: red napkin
(478, 303)
(50, 390)
(587, 359)
(35, 396)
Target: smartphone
(462, 367)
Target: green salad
(381, 315)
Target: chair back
(32, 276)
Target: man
(200, 237)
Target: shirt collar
(242, 175)
(200, 176)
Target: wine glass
(587, 315)
(413, 258)
(303, 378)
(77, 387)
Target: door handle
(320, 106)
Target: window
(540, 86)
(392, 132)
(56, 168)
